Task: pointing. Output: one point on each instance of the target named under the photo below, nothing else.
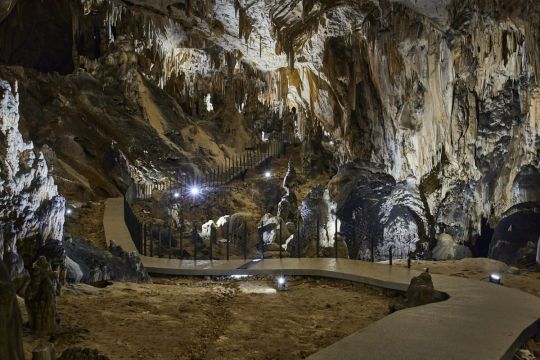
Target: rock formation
(31, 211)
(10, 319)
(287, 207)
(420, 292)
(87, 264)
(40, 297)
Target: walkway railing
(223, 174)
(146, 235)
(153, 239)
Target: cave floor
(194, 318)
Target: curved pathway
(479, 321)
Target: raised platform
(480, 320)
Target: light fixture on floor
(176, 195)
(69, 211)
(495, 278)
(267, 174)
(281, 282)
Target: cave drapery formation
(431, 109)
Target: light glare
(195, 190)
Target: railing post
(355, 245)
(372, 250)
(160, 253)
(335, 239)
(151, 240)
(228, 238)
(280, 238)
(170, 240)
(261, 240)
(211, 241)
(181, 243)
(318, 235)
(245, 242)
(409, 260)
(143, 239)
(194, 239)
(390, 255)
(298, 241)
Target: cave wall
(38, 35)
(452, 104)
(440, 95)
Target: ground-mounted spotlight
(176, 195)
(495, 278)
(281, 283)
(195, 190)
(69, 211)
(267, 174)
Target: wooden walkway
(480, 320)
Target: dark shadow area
(38, 35)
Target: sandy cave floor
(195, 318)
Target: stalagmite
(10, 319)
(40, 297)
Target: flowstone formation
(31, 211)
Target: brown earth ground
(189, 318)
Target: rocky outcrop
(378, 213)
(87, 264)
(420, 292)
(31, 211)
(515, 239)
(448, 249)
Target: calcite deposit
(31, 210)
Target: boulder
(420, 292)
(515, 238)
(448, 249)
(208, 229)
(222, 226)
(97, 265)
(271, 227)
(74, 272)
